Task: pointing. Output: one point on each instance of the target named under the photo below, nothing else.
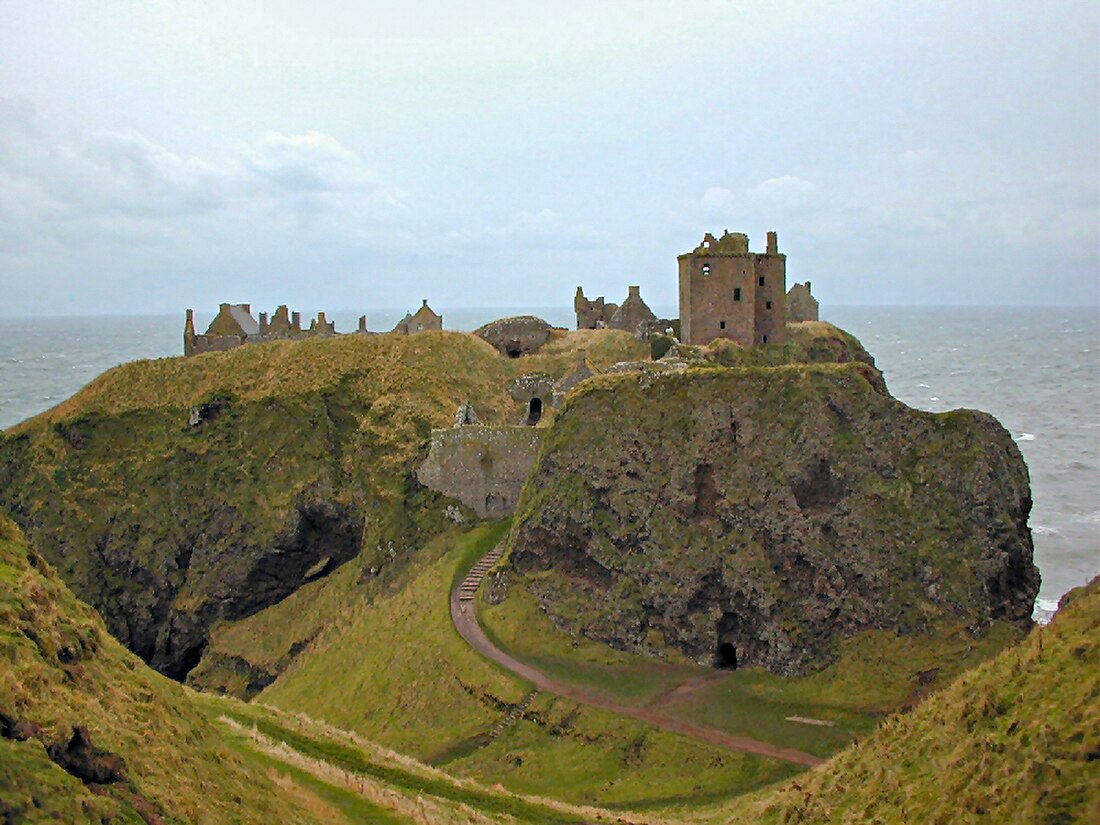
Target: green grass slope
(393, 669)
(59, 668)
(304, 459)
(1016, 739)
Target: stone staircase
(513, 715)
(468, 589)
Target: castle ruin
(801, 305)
(726, 291)
(234, 326)
(633, 315)
(425, 320)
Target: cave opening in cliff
(727, 656)
(514, 351)
(534, 412)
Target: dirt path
(464, 615)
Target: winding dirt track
(464, 615)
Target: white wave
(1044, 610)
(1025, 437)
(934, 398)
(1043, 530)
(926, 386)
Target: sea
(1036, 369)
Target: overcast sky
(342, 155)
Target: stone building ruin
(801, 305)
(726, 291)
(425, 320)
(234, 326)
(633, 315)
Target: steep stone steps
(467, 590)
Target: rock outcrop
(516, 336)
(754, 516)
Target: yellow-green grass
(589, 756)
(876, 672)
(388, 368)
(395, 670)
(393, 667)
(519, 626)
(1014, 739)
(59, 668)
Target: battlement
(731, 243)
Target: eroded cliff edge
(753, 516)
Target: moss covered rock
(179, 493)
(754, 516)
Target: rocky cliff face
(176, 494)
(752, 516)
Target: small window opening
(721, 325)
(769, 304)
(727, 656)
(761, 280)
(737, 293)
(706, 269)
(765, 339)
(534, 412)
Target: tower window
(721, 325)
(769, 304)
(706, 269)
(765, 339)
(737, 293)
(761, 280)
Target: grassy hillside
(393, 669)
(301, 459)
(1016, 739)
(154, 756)
(876, 672)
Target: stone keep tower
(728, 292)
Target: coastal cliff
(176, 494)
(755, 516)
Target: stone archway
(727, 656)
(534, 411)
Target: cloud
(545, 228)
(120, 188)
(779, 196)
(917, 157)
(313, 162)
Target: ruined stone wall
(801, 304)
(483, 467)
(633, 312)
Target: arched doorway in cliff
(726, 656)
(534, 412)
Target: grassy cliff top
(417, 365)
